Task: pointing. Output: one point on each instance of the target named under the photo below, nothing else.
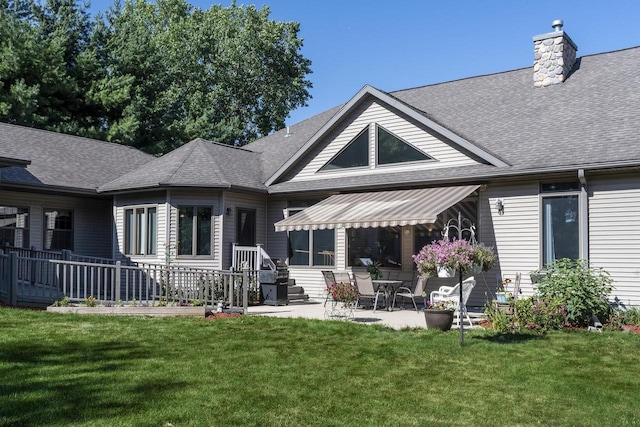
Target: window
(246, 227)
(58, 229)
(14, 226)
(355, 154)
(378, 244)
(303, 243)
(194, 230)
(140, 231)
(560, 222)
(392, 149)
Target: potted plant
(439, 315)
(343, 292)
(451, 256)
(345, 299)
(374, 270)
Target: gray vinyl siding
(91, 220)
(276, 243)
(366, 116)
(514, 234)
(614, 233)
(234, 200)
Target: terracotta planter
(439, 319)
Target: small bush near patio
(71, 370)
(569, 293)
(582, 290)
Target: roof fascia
(399, 105)
(6, 162)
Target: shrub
(539, 314)
(580, 289)
(622, 317)
(64, 302)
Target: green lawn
(258, 371)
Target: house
(544, 161)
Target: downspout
(583, 215)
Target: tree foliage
(150, 74)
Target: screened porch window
(14, 226)
(194, 230)
(141, 234)
(58, 229)
(381, 245)
(311, 247)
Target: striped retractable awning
(377, 209)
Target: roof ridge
(217, 170)
(222, 144)
(503, 72)
(188, 148)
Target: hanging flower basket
(445, 272)
(453, 255)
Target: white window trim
(551, 194)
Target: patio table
(389, 287)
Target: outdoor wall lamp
(227, 211)
(500, 206)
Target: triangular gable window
(355, 154)
(392, 149)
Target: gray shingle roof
(589, 119)
(63, 161)
(199, 163)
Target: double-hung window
(14, 226)
(194, 230)
(560, 221)
(311, 247)
(58, 229)
(141, 231)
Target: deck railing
(253, 257)
(114, 283)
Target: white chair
(406, 292)
(448, 293)
(366, 290)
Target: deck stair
(295, 294)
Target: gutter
(583, 214)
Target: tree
(46, 65)
(153, 75)
(176, 73)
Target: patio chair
(342, 276)
(329, 279)
(406, 292)
(366, 289)
(448, 293)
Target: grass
(77, 370)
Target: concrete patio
(396, 319)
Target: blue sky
(399, 44)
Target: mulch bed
(222, 315)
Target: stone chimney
(553, 56)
